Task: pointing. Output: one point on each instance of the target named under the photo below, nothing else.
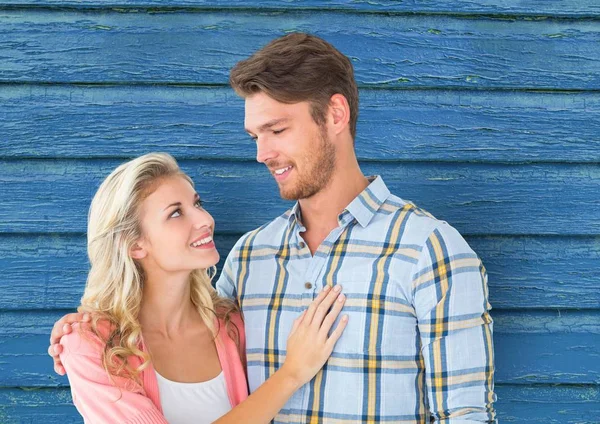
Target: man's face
(289, 142)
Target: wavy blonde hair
(114, 288)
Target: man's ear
(340, 112)
(137, 251)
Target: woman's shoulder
(84, 339)
(237, 319)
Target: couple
(414, 342)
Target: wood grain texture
(571, 404)
(49, 271)
(394, 125)
(563, 8)
(54, 195)
(387, 51)
(551, 347)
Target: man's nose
(264, 151)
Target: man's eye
(279, 131)
(253, 137)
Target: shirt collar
(362, 208)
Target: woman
(162, 346)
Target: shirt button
(302, 245)
(308, 285)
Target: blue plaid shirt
(418, 345)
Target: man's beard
(315, 179)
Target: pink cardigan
(99, 400)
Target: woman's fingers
(323, 307)
(330, 318)
(337, 332)
(310, 312)
(297, 322)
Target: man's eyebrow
(270, 124)
(196, 198)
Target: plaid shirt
(418, 345)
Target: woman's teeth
(205, 240)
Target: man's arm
(450, 297)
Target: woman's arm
(308, 348)
(96, 397)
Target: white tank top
(197, 403)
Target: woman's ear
(137, 251)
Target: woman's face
(177, 233)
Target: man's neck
(320, 212)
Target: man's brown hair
(299, 67)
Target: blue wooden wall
(484, 112)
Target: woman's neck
(166, 304)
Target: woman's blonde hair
(114, 288)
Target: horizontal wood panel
(390, 51)
(53, 196)
(49, 271)
(575, 8)
(194, 122)
(516, 404)
(530, 347)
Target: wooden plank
(387, 51)
(550, 347)
(548, 404)
(48, 271)
(564, 8)
(394, 125)
(34, 406)
(516, 404)
(53, 196)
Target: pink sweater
(99, 400)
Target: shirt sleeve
(450, 297)
(96, 397)
(227, 284)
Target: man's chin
(296, 193)
(287, 194)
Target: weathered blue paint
(48, 271)
(563, 8)
(54, 195)
(549, 347)
(395, 125)
(485, 112)
(572, 404)
(387, 51)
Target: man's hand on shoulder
(61, 328)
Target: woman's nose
(202, 219)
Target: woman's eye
(175, 214)
(199, 203)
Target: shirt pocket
(377, 325)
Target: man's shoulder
(417, 223)
(266, 233)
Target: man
(418, 345)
